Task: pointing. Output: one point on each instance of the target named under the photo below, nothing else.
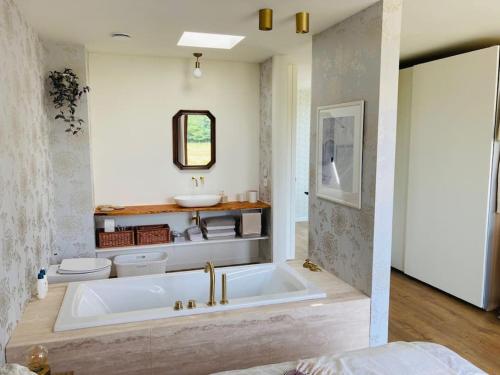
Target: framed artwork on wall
(339, 145)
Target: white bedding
(415, 358)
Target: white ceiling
(430, 27)
(156, 25)
(433, 28)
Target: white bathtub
(132, 299)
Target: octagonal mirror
(194, 139)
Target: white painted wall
(302, 136)
(401, 171)
(132, 102)
(284, 84)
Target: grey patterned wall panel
(71, 165)
(357, 59)
(265, 147)
(26, 195)
(265, 134)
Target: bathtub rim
(65, 322)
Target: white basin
(202, 200)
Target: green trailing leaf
(65, 91)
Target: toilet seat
(79, 269)
(83, 265)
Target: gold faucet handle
(224, 300)
(178, 305)
(311, 266)
(191, 304)
(209, 266)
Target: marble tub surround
(202, 344)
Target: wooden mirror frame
(175, 138)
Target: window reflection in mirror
(194, 139)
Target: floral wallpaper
(357, 59)
(70, 158)
(265, 147)
(265, 134)
(26, 196)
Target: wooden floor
(419, 312)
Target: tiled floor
(301, 240)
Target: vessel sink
(202, 200)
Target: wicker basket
(119, 238)
(152, 234)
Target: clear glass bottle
(38, 360)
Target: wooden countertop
(173, 208)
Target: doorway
(301, 128)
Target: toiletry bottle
(223, 197)
(45, 279)
(40, 286)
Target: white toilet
(79, 269)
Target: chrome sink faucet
(209, 267)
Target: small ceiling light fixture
(205, 40)
(197, 73)
(120, 36)
(265, 19)
(302, 23)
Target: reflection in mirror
(194, 139)
(194, 136)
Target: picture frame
(339, 159)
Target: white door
(451, 144)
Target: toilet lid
(83, 265)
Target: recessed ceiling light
(120, 36)
(205, 40)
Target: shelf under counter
(173, 208)
(171, 244)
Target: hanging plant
(65, 92)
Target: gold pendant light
(265, 19)
(302, 23)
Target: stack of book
(219, 227)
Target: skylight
(205, 40)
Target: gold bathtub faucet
(311, 266)
(224, 300)
(209, 267)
